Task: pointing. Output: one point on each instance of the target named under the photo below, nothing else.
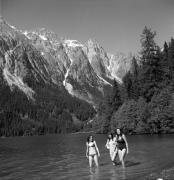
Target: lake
(60, 157)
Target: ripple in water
(62, 157)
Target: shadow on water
(130, 163)
(103, 164)
(62, 157)
(106, 171)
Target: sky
(115, 24)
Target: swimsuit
(112, 146)
(121, 143)
(92, 149)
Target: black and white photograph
(86, 89)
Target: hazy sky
(115, 24)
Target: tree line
(53, 111)
(144, 103)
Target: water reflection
(116, 174)
(123, 173)
(94, 173)
(61, 157)
(110, 173)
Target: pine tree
(116, 97)
(171, 58)
(148, 44)
(128, 84)
(150, 70)
(165, 65)
(111, 104)
(135, 73)
(130, 81)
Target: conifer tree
(165, 65)
(128, 84)
(148, 44)
(150, 71)
(171, 58)
(131, 81)
(112, 103)
(116, 97)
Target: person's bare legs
(90, 161)
(121, 154)
(111, 156)
(96, 160)
(114, 155)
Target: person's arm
(107, 144)
(87, 150)
(124, 137)
(115, 139)
(97, 149)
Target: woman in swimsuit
(111, 145)
(122, 146)
(92, 152)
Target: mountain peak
(1, 19)
(3, 22)
(92, 42)
(67, 58)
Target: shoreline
(86, 132)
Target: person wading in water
(92, 152)
(111, 145)
(122, 146)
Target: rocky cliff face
(32, 85)
(119, 65)
(51, 84)
(20, 62)
(39, 56)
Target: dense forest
(53, 111)
(144, 103)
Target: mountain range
(30, 59)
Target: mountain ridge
(48, 72)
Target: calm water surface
(60, 157)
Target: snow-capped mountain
(52, 84)
(20, 62)
(85, 70)
(32, 91)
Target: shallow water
(61, 157)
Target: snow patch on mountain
(73, 43)
(2, 20)
(106, 82)
(26, 34)
(69, 88)
(43, 37)
(42, 53)
(67, 85)
(13, 27)
(66, 75)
